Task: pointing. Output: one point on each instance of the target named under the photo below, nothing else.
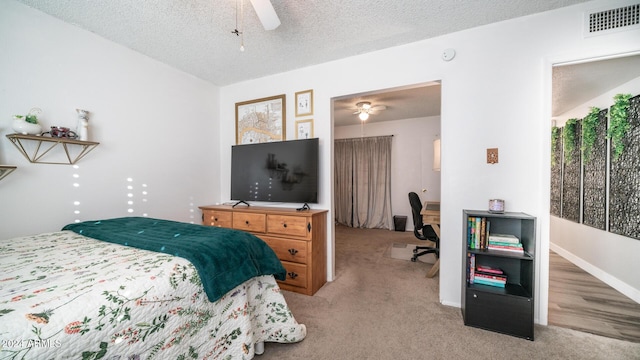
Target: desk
(431, 216)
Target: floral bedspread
(66, 296)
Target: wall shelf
(35, 147)
(6, 170)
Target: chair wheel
(413, 259)
(415, 251)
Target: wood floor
(579, 301)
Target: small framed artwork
(304, 129)
(261, 120)
(304, 103)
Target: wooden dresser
(299, 238)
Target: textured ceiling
(575, 84)
(195, 36)
(403, 103)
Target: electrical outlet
(492, 156)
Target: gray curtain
(363, 182)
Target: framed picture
(304, 129)
(304, 103)
(261, 120)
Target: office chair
(422, 232)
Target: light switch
(492, 156)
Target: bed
(141, 288)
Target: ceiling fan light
(364, 105)
(266, 13)
(363, 116)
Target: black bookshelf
(509, 309)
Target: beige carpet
(382, 308)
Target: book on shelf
(478, 223)
(483, 281)
(489, 269)
(509, 249)
(472, 267)
(508, 238)
(492, 277)
(477, 232)
(483, 232)
(500, 243)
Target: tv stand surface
(299, 239)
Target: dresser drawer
(217, 218)
(287, 249)
(296, 274)
(295, 226)
(249, 221)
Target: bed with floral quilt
(141, 288)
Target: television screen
(282, 171)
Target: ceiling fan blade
(378, 108)
(266, 14)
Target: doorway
(577, 298)
(411, 115)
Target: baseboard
(451, 303)
(621, 286)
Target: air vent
(613, 20)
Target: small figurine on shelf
(27, 124)
(83, 125)
(61, 132)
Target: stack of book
(486, 275)
(505, 242)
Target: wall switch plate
(492, 156)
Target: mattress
(68, 296)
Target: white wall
(609, 257)
(156, 125)
(496, 92)
(411, 158)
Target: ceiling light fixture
(364, 109)
(239, 31)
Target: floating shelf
(6, 170)
(35, 147)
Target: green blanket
(224, 258)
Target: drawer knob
(293, 251)
(246, 222)
(215, 219)
(284, 225)
(292, 275)
(475, 295)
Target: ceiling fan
(364, 109)
(266, 13)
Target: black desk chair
(421, 231)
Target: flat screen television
(280, 171)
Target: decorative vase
(20, 125)
(83, 125)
